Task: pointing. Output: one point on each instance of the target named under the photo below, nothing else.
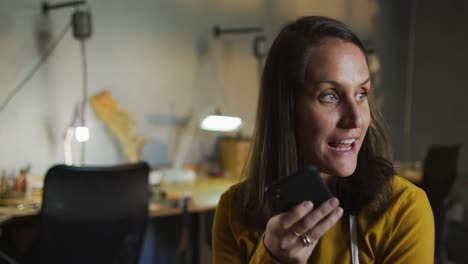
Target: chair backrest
(92, 214)
(440, 170)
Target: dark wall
(440, 81)
(440, 97)
(391, 40)
(438, 75)
(423, 48)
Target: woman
(316, 107)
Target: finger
(287, 219)
(278, 227)
(323, 226)
(316, 215)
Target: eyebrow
(334, 83)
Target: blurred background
(162, 64)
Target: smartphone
(303, 185)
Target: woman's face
(333, 110)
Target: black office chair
(440, 170)
(92, 215)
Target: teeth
(341, 149)
(347, 141)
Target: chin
(344, 174)
(337, 172)
(345, 171)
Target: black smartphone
(303, 185)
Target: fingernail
(334, 202)
(307, 204)
(339, 211)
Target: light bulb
(82, 134)
(221, 123)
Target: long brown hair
(274, 151)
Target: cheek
(366, 118)
(313, 128)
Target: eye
(329, 98)
(362, 95)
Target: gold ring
(306, 240)
(295, 232)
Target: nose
(352, 114)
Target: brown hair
(274, 151)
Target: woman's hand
(286, 233)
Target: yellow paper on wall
(120, 123)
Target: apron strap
(353, 235)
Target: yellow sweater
(403, 234)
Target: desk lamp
(219, 122)
(208, 119)
(82, 30)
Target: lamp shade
(221, 123)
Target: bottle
(3, 185)
(21, 183)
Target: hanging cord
(84, 102)
(36, 67)
(82, 30)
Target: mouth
(344, 145)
